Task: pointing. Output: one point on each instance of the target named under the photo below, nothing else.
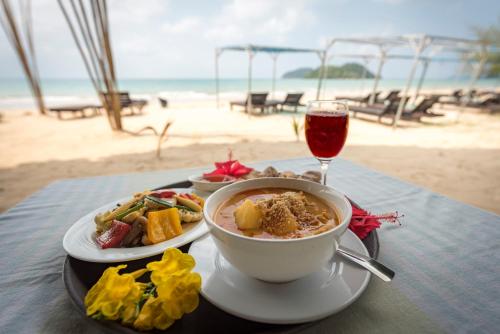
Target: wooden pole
(381, 63)
(425, 65)
(274, 57)
(217, 54)
(322, 56)
(419, 48)
(249, 95)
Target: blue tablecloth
(446, 254)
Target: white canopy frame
(382, 44)
(418, 44)
(274, 52)
(383, 57)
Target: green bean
(167, 204)
(132, 209)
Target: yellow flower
(152, 316)
(177, 291)
(180, 294)
(114, 294)
(173, 262)
(174, 293)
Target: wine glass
(326, 127)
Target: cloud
(157, 38)
(259, 20)
(137, 13)
(183, 26)
(169, 39)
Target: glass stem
(324, 169)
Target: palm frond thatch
(89, 26)
(20, 36)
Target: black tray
(79, 276)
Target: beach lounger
(392, 96)
(127, 102)
(378, 109)
(421, 110)
(489, 101)
(163, 102)
(291, 100)
(359, 99)
(132, 104)
(390, 109)
(76, 108)
(485, 92)
(259, 101)
(454, 98)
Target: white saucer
(311, 298)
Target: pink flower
(363, 222)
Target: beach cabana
(274, 52)
(423, 49)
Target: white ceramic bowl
(203, 185)
(278, 260)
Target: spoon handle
(368, 263)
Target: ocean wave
(60, 92)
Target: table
(446, 255)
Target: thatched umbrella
(89, 25)
(20, 35)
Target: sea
(15, 93)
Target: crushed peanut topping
(291, 212)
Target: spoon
(372, 265)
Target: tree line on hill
(345, 71)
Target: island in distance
(346, 71)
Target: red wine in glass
(326, 127)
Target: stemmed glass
(326, 125)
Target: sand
(457, 155)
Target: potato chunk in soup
(248, 216)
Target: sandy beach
(457, 155)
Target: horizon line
(234, 78)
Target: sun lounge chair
(291, 100)
(76, 108)
(487, 101)
(259, 101)
(377, 109)
(392, 96)
(390, 108)
(421, 109)
(127, 102)
(359, 99)
(485, 92)
(163, 102)
(454, 98)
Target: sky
(176, 39)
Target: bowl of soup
(277, 229)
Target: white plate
(311, 298)
(79, 240)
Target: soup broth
(283, 214)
